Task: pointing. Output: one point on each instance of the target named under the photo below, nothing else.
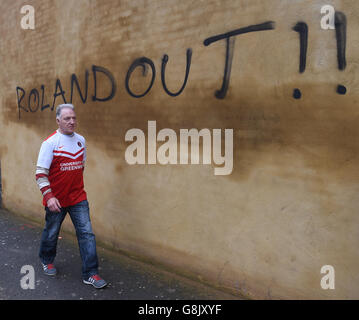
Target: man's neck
(66, 134)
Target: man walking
(59, 175)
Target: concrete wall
(290, 204)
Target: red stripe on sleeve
(41, 175)
(45, 189)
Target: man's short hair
(63, 106)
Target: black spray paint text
(35, 99)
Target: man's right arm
(42, 177)
(42, 180)
(43, 183)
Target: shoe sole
(87, 282)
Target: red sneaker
(96, 281)
(49, 269)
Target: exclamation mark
(341, 35)
(302, 29)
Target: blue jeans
(80, 216)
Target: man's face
(67, 121)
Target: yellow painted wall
(291, 203)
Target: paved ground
(128, 279)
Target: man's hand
(54, 205)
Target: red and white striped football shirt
(64, 157)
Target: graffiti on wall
(35, 99)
